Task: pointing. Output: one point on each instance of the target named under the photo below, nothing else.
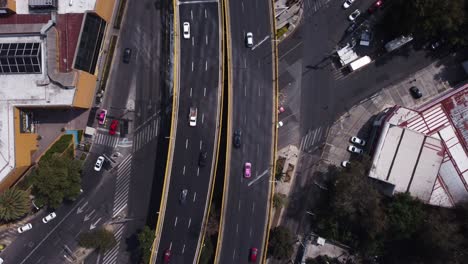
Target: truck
(193, 116)
(359, 63)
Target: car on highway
(376, 5)
(49, 217)
(202, 158)
(193, 116)
(24, 228)
(167, 256)
(102, 116)
(237, 138)
(249, 39)
(281, 110)
(113, 127)
(253, 254)
(280, 124)
(358, 141)
(415, 92)
(345, 164)
(354, 15)
(99, 163)
(183, 196)
(348, 3)
(127, 55)
(247, 170)
(354, 149)
(186, 30)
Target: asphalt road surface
(247, 202)
(199, 86)
(118, 191)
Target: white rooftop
(24, 90)
(64, 6)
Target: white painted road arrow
(81, 209)
(95, 224)
(88, 216)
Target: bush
(280, 244)
(100, 239)
(14, 204)
(145, 241)
(58, 147)
(279, 200)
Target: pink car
(102, 116)
(247, 170)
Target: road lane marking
(190, 91)
(245, 90)
(234, 254)
(245, 62)
(193, 41)
(242, 6)
(175, 222)
(239, 206)
(183, 170)
(237, 228)
(206, 65)
(170, 246)
(88, 216)
(198, 171)
(189, 222)
(183, 249)
(250, 232)
(201, 144)
(202, 118)
(253, 207)
(194, 196)
(258, 150)
(204, 91)
(81, 208)
(206, 15)
(260, 43)
(192, 65)
(258, 177)
(191, 14)
(206, 39)
(186, 143)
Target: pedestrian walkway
(110, 257)
(313, 138)
(106, 140)
(122, 185)
(146, 133)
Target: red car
(113, 127)
(167, 256)
(247, 170)
(375, 6)
(253, 254)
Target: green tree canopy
(280, 244)
(145, 242)
(56, 179)
(14, 204)
(100, 239)
(406, 216)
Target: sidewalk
(288, 15)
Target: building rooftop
(443, 123)
(64, 6)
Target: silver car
(49, 217)
(358, 141)
(99, 163)
(354, 149)
(24, 228)
(354, 15)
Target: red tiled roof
(68, 27)
(25, 19)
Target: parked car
(345, 164)
(167, 256)
(249, 39)
(99, 163)
(376, 5)
(186, 30)
(24, 228)
(351, 28)
(127, 55)
(237, 138)
(49, 217)
(358, 141)
(102, 116)
(415, 92)
(183, 196)
(202, 158)
(253, 254)
(354, 149)
(348, 3)
(354, 15)
(280, 124)
(281, 110)
(247, 170)
(113, 127)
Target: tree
(279, 200)
(56, 179)
(145, 242)
(207, 254)
(280, 244)
(429, 19)
(406, 216)
(14, 204)
(100, 239)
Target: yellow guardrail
(162, 204)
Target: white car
(358, 141)
(49, 217)
(345, 164)
(186, 30)
(193, 116)
(348, 3)
(249, 39)
(99, 162)
(354, 15)
(24, 228)
(354, 149)
(280, 124)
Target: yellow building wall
(11, 4)
(25, 146)
(105, 8)
(85, 87)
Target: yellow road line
(274, 129)
(226, 21)
(162, 204)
